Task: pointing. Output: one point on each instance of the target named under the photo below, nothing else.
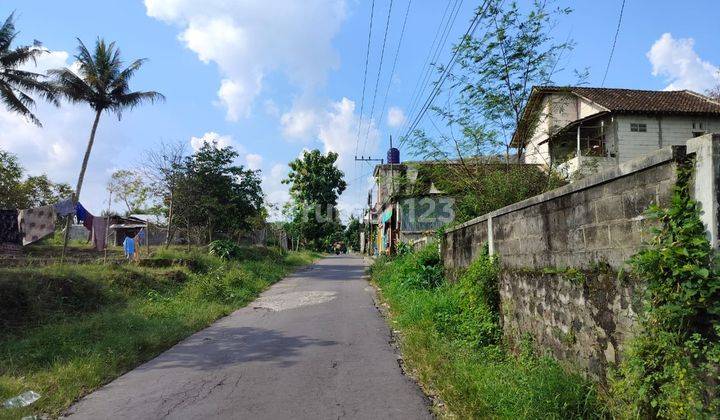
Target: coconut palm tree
(100, 81)
(16, 84)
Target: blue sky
(273, 78)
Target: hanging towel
(36, 223)
(81, 213)
(9, 229)
(99, 228)
(64, 207)
(129, 246)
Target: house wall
(556, 111)
(589, 227)
(662, 131)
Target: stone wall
(561, 252)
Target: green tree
(352, 234)
(315, 185)
(103, 83)
(488, 87)
(16, 85)
(216, 195)
(33, 191)
(127, 187)
(11, 173)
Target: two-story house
(570, 128)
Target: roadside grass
(67, 330)
(451, 340)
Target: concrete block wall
(595, 222)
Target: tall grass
(452, 340)
(72, 329)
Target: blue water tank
(393, 156)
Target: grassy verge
(66, 330)
(451, 340)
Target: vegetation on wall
(672, 367)
(451, 340)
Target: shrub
(672, 367)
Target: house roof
(650, 101)
(625, 101)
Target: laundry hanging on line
(129, 247)
(9, 229)
(36, 223)
(99, 232)
(64, 207)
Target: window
(638, 128)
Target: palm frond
(33, 82)
(133, 99)
(72, 87)
(21, 106)
(7, 32)
(19, 56)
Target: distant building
(410, 204)
(569, 128)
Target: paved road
(311, 347)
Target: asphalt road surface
(311, 347)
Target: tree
(488, 87)
(34, 191)
(16, 85)
(163, 168)
(352, 233)
(714, 92)
(128, 188)
(314, 178)
(103, 83)
(494, 78)
(315, 185)
(217, 195)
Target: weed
(452, 340)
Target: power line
(377, 81)
(612, 50)
(397, 53)
(367, 58)
(471, 30)
(425, 69)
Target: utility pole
(369, 159)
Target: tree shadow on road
(221, 346)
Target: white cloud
(677, 61)
(249, 39)
(335, 128)
(299, 123)
(211, 137)
(396, 117)
(254, 161)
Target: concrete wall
(561, 251)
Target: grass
(70, 329)
(452, 342)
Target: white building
(573, 128)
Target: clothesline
(25, 226)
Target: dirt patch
(293, 300)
